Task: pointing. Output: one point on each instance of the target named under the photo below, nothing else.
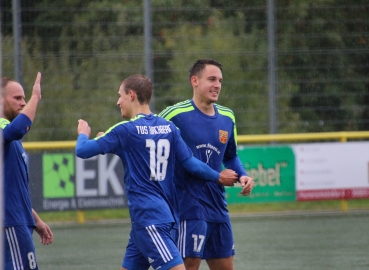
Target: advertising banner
(61, 182)
(273, 170)
(282, 173)
(332, 170)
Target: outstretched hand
(31, 107)
(228, 177)
(37, 86)
(83, 128)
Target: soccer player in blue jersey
(209, 129)
(19, 218)
(148, 146)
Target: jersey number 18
(159, 153)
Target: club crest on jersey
(223, 136)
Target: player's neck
(143, 109)
(205, 107)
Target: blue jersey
(148, 146)
(212, 140)
(18, 209)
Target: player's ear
(194, 81)
(132, 94)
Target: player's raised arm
(31, 106)
(83, 128)
(86, 148)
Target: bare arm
(43, 230)
(31, 106)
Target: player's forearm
(35, 216)
(86, 148)
(236, 165)
(31, 107)
(200, 169)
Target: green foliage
(243, 57)
(316, 59)
(74, 88)
(85, 49)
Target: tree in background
(82, 61)
(84, 49)
(320, 50)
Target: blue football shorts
(19, 249)
(206, 240)
(152, 245)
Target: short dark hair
(141, 85)
(200, 64)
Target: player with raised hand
(20, 219)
